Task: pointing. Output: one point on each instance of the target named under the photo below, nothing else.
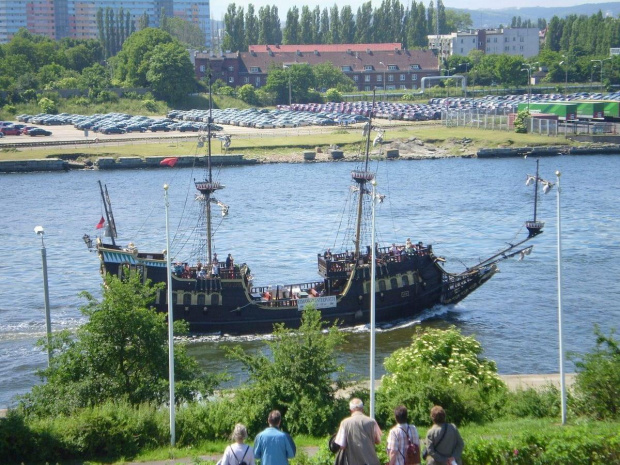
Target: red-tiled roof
(403, 59)
(325, 48)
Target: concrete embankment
(110, 163)
(504, 152)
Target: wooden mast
(361, 178)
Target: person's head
(438, 415)
(400, 414)
(275, 417)
(240, 433)
(356, 405)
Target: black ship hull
(407, 283)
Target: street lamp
(529, 82)
(565, 64)
(560, 336)
(384, 86)
(48, 320)
(601, 63)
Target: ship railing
(286, 295)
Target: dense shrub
(533, 403)
(149, 104)
(333, 95)
(48, 106)
(597, 387)
(300, 378)
(247, 93)
(441, 367)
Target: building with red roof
(370, 66)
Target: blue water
(281, 216)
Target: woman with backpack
(238, 453)
(403, 444)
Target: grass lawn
(257, 144)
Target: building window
(231, 79)
(367, 88)
(393, 283)
(246, 80)
(507, 48)
(202, 68)
(403, 77)
(254, 69)
(257, 82)
(368, 68)
(379, 77)
(522, 39)
(415, 67)
(346, 69)
(488, 40)
(461, 50)
(494, 39)
(414, 77)
(405, 280)
(231, 68)
(367, 78)
(356, 78)
(403, 86)
(392, 67)
(390, 77)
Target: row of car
(9, 129)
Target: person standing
(443, 441)
(238, 452)
(358, 435)
(399, 437)
(272, 446)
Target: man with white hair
(358, 435)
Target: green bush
(441, 367)
(333, 95)
(10, 109)
(533, 403)
(149, 104)
(48, 106)
(597, 387)
(200, 421)
(247, 93)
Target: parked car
(39, 132)
(112, 130)
(10, 131)
(26, 129)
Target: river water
(282, 215)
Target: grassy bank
(281, 144)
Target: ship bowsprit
(457, 286)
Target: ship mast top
(535, 227)
(208, 187)
(361, 178)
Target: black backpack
(242, 462)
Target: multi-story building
(511, 41)
(77, 18)
(370, 66)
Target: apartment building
(370, 66)
(511, 41)
(77, 18)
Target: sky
(219, 7)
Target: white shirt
(397, 441)
(233, 455)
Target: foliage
(94, 79)
(533, 403)
(297, 79)
(441, 367)
(120, 354)
(520, 121)
(300, 378)
(333, 95)
(597, 386)
(186, 32)
(48, 105)
(214, 419)
(327, 76)
(10, 109)
(170, 72)
(149, 104)
(247, 93)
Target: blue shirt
(273, 447)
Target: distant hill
(493, 18)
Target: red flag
(101, 223)
(169, 161)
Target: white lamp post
(529, 82)
(170, 323)
(562, 381)
(372, 302)
(384, 83)
(48, 320)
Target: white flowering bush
(441, 367)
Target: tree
(120, 354)
(186, 32)
(300, 378)
(597, 386)
(95, 79)
(170, 72)
(251, 26)
(441, 367)
(327, 76)
(132, 62)
(290, 35)
(300, 78)
(247, 93)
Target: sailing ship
(219, 297)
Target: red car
(10, 131)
